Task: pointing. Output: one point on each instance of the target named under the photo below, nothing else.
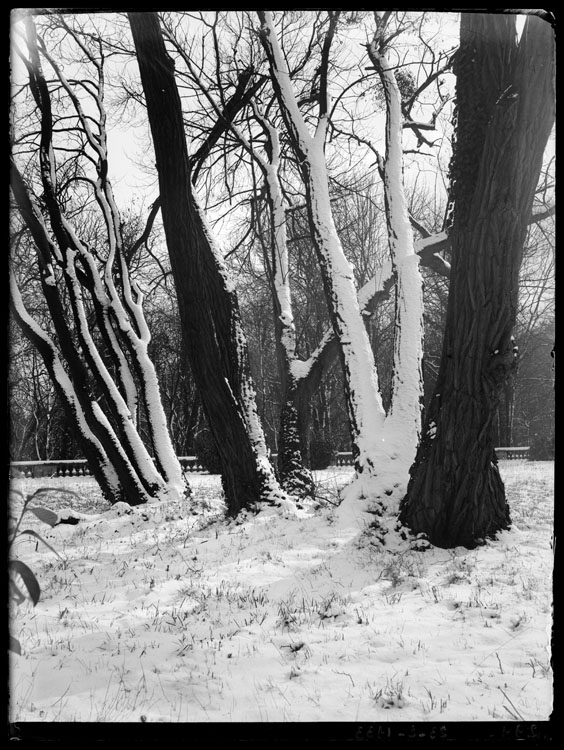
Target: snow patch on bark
(403, 424)
(393, 449)
(215, 248)
(365, 404)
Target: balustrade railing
(512, 454)
(344, 458)
(79, 467)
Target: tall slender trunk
(366, 412)
(399, 436)
(294, 476)
(505, 103)
(208, 306)
(114, 431)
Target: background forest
(237, 202)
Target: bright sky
(128, 146)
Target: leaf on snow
(56, 490)
(69, 519)
(38, 536)
(17, 593)
(14, 645)
(28, 578)
(45, 515)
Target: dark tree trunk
(208, 306)
(294, 476)
(307, 387)
(505, 105)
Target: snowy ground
(161, 615)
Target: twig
(336, 671)
(510, 701)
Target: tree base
(453, 502)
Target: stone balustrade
(79, 467)
(512, 454)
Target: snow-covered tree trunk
(361, 383)
(383, 445)
(100, 465)
(68, 269)
(403, 421)
(208, 305)
(294, 476)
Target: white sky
(127, 147)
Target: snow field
(163, 614)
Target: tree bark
(505, 108)
(402, 427)
(366, 413)
(104, 406)
(103, 469)
(208, 306)
(294, 476)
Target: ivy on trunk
(505, 112)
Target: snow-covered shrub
(206, 452)
(321, 454)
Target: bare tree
(265, 152)
(403, 420)
(366, 412)
(102, 379)
(295, 477)
(377, 438)
(208, 304)
(505, 112)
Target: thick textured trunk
(208, 306)
(505, 103)
(295, 477)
